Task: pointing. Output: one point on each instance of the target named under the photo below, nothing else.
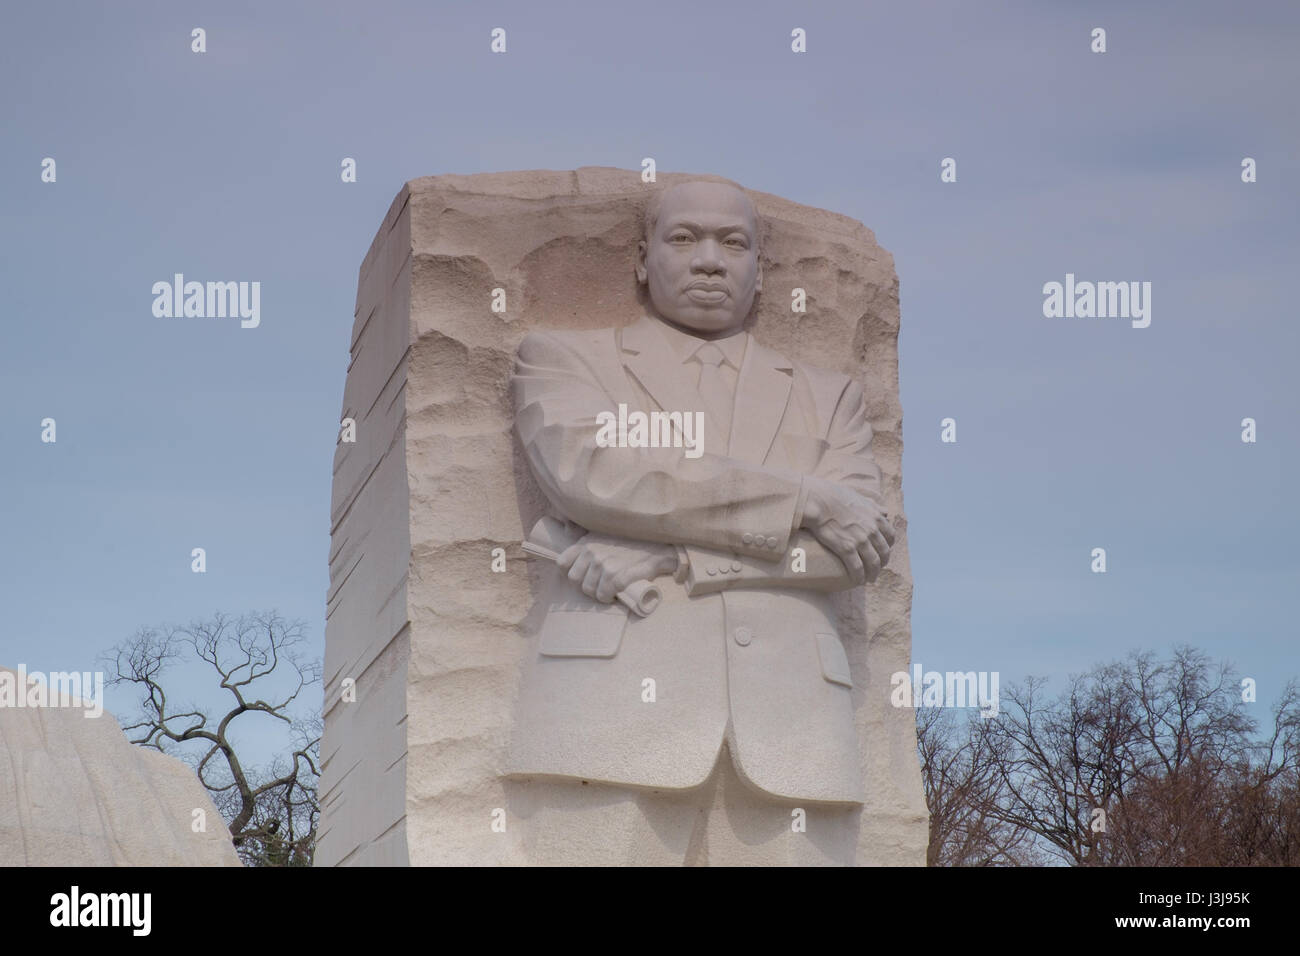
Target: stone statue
(607, 559)
(719, 728)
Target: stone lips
(75, 792)
(436, 480)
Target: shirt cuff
(683, 564)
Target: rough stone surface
(436, 480)
(75, 792)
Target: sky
(1072, 433)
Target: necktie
(716, 393)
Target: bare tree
(1144, 762)
(272, 812)
(964, 790)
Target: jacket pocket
(575, 629)
(835, 663)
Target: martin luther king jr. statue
(717, 729)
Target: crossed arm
(652, 511)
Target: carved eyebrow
(741, 228)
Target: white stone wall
(363, 751)
(75, 792)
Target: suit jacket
(742, 647)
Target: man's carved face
(701, 264)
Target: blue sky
(1072, 433)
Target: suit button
(747, 538)
(711, 569)
(736, 566)
(771, 543)
(743, 636)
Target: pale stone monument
(696, 669)
(75, 792)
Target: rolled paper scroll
(549, 538)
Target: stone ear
(641, 250)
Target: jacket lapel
(658, 368)
(761, 397)
(762, 390)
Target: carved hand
(854, 527)
(603, 565)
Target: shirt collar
(686, 345)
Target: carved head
(699, 257)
